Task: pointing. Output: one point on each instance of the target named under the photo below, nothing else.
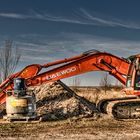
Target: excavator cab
(137, 85)
(133, 77)
(137, 75)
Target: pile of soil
(56, 101)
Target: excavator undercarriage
(121, 108)
(125, 109)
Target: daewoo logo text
(58, 74)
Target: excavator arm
(100, 61)
(86, 62)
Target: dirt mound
(56, 101)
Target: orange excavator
(127, 71)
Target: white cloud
(108, 21)
(13, 15)
(74, 44)
(29, 46)
(79, 17)
(28, 58)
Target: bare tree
(118, 85)
(9, 58)
(76, 83)
(105, 82)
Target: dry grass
(96, 94)
(82, 129)
(75, 128)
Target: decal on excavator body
(58, 74)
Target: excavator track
(123, 108)
(102, 104)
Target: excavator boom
(100, 61)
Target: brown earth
(82, 129)
(72, 116)
(58, 102)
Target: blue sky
(48, 30)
